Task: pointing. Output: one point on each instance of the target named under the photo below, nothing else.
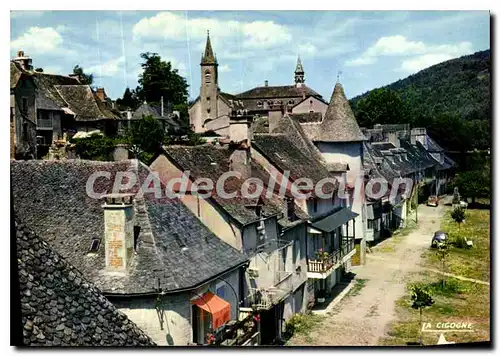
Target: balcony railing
(333, 258)
(265, 298)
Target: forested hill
(460, 85)
(458, 88)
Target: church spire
(208, 57)
(299, 72)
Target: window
(25, 105)
(207, 77)
(94, 245)
(315, 205)
(25, 132)
(259, 103)
(290, 102)
(310, 102)
(220, 290)
(290, 209)
(371, 224)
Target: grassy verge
(457, 301)
(299, 326)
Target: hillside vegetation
(452, 99)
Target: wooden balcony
(321, 269)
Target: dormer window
(259, 104)
(291, 102)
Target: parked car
(433, 201)
(439, 237)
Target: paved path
(364, 318)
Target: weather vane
(339, 73)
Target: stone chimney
(120, 153)
(101, 94)
(419, 134)
(24, 61)
(266, 83)
(240, 136)
(274, 116)
(118, 231)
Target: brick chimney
(240, 136)
(118, 231)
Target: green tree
(145, 137)
(421, 298)
(129, 100)
(39, 70)
(458, 215)
(381, 106)
(159, 79)
(95, 147)
(443, 253)
(84, 78)
(474, 184)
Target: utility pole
(418, 189)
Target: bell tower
(209, 83)
(299, 73)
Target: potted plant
(321, 296)
(210, 339)
(322, 255)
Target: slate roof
(210, 161)
(432, 146)
(15, 74)
(339, 123)
(47, 96)
(282, 152)
(284, 91)
(419, 157)
(60, 307)
(149, 110)
(51, 198)
(80, 100)
(307, 117)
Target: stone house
(168, 119)
(270, 230)
(328, 224)
(211, 110)
(58, 105)
(339, 139)
(22, 114)
(59, 306)
(151, 257)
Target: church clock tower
(209, 83)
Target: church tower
(209, 83)
(299, 73)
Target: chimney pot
(266, 83)
(20, 53)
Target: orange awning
(218, 307)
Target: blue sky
(369, 48)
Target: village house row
(130, 270)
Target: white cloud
(108, 68)
(307, 49)
(418, 63)
(38, 40)
(424, 54)
(169, 25)
(224, 68)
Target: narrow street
(361, 319)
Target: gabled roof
(47, 96)
(339, 123)
(81, 100)
(15, 74)
(284, 91)
(60, 307)
(51, 198)
(210, 161)
(432, 146)
(282, 152)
